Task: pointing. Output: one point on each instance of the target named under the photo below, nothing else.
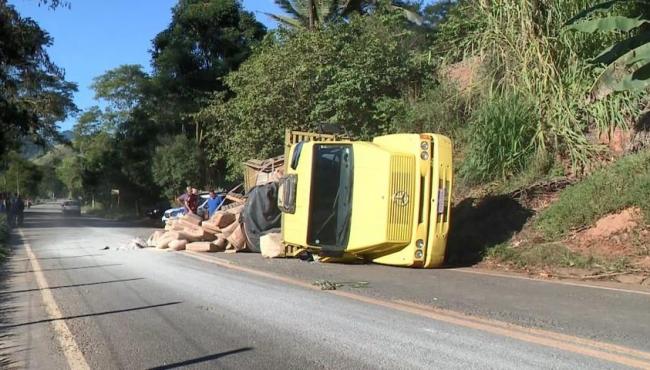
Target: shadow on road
(59, 258)
(92, 314)
(70, 268)
(201, 359)
(478, 225)
(2, 293)
(51, 218)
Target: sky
(94, 36)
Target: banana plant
(626, 64)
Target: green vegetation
(625, 183)
(541, 255)
(352, 75)
(21, 176)
(627, 63)
(170, 166)
(34, 94)
(520, 48)
(501, 139)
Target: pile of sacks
(222, 232)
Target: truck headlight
(418, 254)
(424, 145)
(419, 243)
(424, 156)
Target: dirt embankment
(497, 232)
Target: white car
(174, 213)
(71, 207)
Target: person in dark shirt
(19, 209)
(183, 197)
(192, 201)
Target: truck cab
(387, 201)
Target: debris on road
(326, 284)
(271, 245)
(201, 247)
(178, 245)
(333, 285)
(137, 243)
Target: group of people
(13, 206)
(190, 200)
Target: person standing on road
(11, 214)
(182, 199)
(213, 203)
(192, 202)
(19, 209)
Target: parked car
(173, 213)
(202, 210)
(158, 210)
(71, 207)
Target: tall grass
(524, 51)
(501, 136)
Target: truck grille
(401, 198)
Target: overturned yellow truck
(386, 201)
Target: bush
(501, 139)
(625, 183)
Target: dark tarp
(261, 213)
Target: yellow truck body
(387, 201)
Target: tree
(308, 14)
(436, 12)
(351, 74)
(51, 185)
(121, 138)
(204, 41)
(312, 14)
(173, 165)
(123, 87)
(70, 173)
(22, 176)
(627, 63)
(34, 94)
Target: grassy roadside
(623, 184)
(553, 238)
(4, 238)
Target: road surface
(67, 301)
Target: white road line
(66, 340)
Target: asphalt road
(65, 301)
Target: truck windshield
(331, 197)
